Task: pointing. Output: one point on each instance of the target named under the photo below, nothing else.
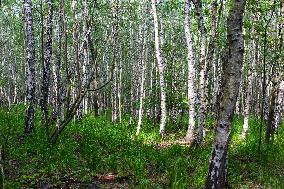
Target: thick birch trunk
(218, 166)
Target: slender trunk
(46, 66)
(77, 76)
(67, 85)
(202, 73)
(210, 53)
(142, 68)
(280, 91)
(269, 127)
(30, 53)
(278, 107)
(218, 166)
(161, 68)
(191, 74)
(59, 91)
(264, 86)
(114, 84)
(114, 59)
(248, 100)
(119, 89)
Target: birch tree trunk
(86, 56)
(211, 65)
(161, 68)
(202, 73)
(278, 106)
(114, 83)
(58, 66)
(119, 88)
(30, 53)
(218, 166)
(276, 100)
(280, 92)
(248, 95)
(115, 59)
(142, 68)
(46, 65)
(191, 74)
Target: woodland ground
(95, 153)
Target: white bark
(142, 68)
(218, 167)
(279, 106)
(191, 74)
(248, 97)
(161, 68)
(202, 74)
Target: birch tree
(191, 74)
(202, 73)
(47, 64)
(218, 166)
(143, 41)
(161, 68)
(30, 55)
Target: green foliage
(97, 147)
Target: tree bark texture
(30, 53)
(218, 166)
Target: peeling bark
(218, 166)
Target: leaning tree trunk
(161, 68)
(218, 166)
(191, 74)
(30, 52)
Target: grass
(110, 155)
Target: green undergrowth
(94, 147)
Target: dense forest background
(141, 94)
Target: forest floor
(95, 153)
